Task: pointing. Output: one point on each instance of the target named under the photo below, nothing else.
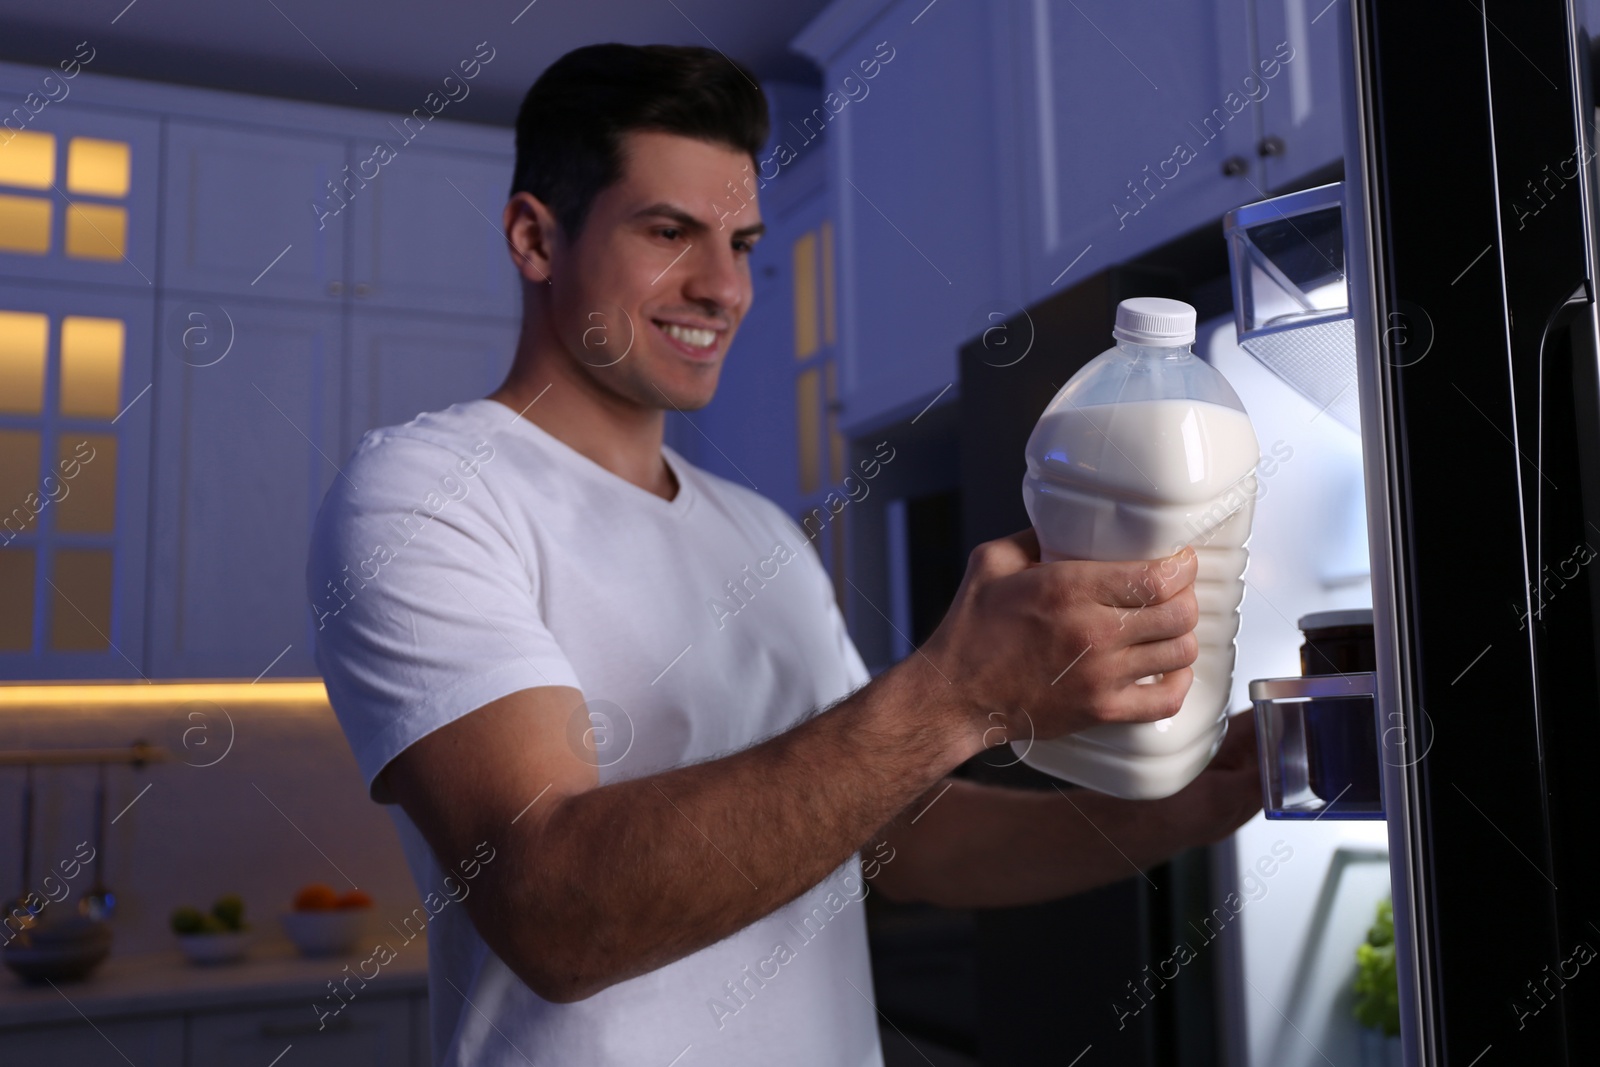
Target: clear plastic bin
(1319, 740)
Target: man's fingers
(1144, 582)
(1160, 699)
(1173, 617)
(1159, 657)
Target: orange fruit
(316, 897)
(356, 898)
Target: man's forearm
(980, 845)
(620, 880)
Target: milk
(1140, 478)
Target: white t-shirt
(469, 554)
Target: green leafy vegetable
(1377, 984)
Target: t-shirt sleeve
(422, 607)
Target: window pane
(85, 483)
(24, 337)
(828, 316)
(808, 411)
(28, 160)
(96, 231)
(19, 477)
(91, 366)
(24, 224)
(16, 593)
(97, 167)
(80, 603)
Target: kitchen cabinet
(78, 194)
(249, 212)
(427, 233)
(371, 1033)
(74, 464)
(1302, 117)
(246, 443)
(399, 365)
(1008, 148)
(108, 1044)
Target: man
(639, 826)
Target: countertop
(166, 983)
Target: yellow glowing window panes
(91, 366)
(828, 330)
(19, 485)
(24, 224)
(808, 413)
(96, 231)
(96, 167)
(805, 296)
(28, 160)
(16, 593)
(84, 483)
(24, 337)
(80, 603)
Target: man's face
(660, 271)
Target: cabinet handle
(335, 288)
(303, 1029)
(362, 288)
(1234, 166)
(1270, 145)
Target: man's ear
(534, 235)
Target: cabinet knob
(1234, 166)
(363, 289)
(1270, 145)
(335, 288)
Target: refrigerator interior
(1306, 891)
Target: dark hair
(570, 126)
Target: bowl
(324, 933)
(215, 948)
(60, 952)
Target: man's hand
(1066, 641)
(1225, 796)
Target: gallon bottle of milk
(1145, 450)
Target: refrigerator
(1442, 424)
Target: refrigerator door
(1471, 183)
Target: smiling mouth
(695, 337)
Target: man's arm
(982, 846)
(600, 884)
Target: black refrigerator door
(1472, 178)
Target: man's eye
(671, 233)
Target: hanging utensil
(99, 902)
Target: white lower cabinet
(374, 1033)
(108, 1044)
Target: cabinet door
(372, 1033)
(105, 1044)
(1302, 118)
(401, 365)
(427, 232)
(246, 444)
(252, 212)
(1142, 123)
(75, 418)
(78, 195)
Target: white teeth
(689, 335)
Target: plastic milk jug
(1145, 450)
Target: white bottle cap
(1154, 321)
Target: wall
(283, 804)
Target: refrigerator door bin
(1318, 740)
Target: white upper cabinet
(253, 212)
(78, 191)
(427, 231)
(1137, 122)
(246, 444)
(1302, 120)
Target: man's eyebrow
(751, 231)
(676, 214)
